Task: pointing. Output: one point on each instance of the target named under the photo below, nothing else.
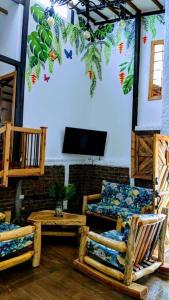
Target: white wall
(5, 68)
(112, 111)
(11, 29)
(65, 101)
(149, 112)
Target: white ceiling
(143, 5)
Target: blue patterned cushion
(126, 196)
(109, 256)
(10, 246)
(112, 211)
(105, 254)
(114, 235)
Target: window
(156, 70)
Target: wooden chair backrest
(147, 236)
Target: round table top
(47, 217)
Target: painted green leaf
(38, 70)
(109, 28)
(45, 35)
(50, 65)
(37, 12)
(131, 67)
(123, 64)
(43, 46)
(33, 61)
(161, 18)
(28, 79)
(128, 84)
(36, 48)
(93, 85)
(152, 25)
(145, 21)
(107, 52)
(82, 23)
(57, 47)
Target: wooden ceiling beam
(133, 6)
(127, 11)
(79, 12)
(109, 21)
(101, 15)
(158, 4)
(155, 12)
(3, 10)
(94, 10)
(112, 9)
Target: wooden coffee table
(68, 221)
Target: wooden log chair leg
(37, 245)
(130, 255)
(164, 268)
(7, 216)
(119, 224)
(83, 243)
(84, 206)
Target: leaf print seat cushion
(106, 255)
(112, 211)
(126, 196)
(109, 256)
(11, 246)
(122, 200)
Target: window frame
(153, 44)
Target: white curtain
(165, 105)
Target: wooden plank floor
(56, 279)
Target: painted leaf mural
(47, 43)
(150, 24)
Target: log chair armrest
(87, 199)
(16, 233)
(107, 242)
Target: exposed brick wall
(88, 180)
(36, 191)
(7, 196)
(144, 183)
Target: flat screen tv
(84, 141)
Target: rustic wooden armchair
(18, 244)
(133, 256)
(118, 202)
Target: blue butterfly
(68, 54)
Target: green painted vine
(150, 25)
(46, 48)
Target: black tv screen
(84, 141)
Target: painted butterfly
(46, 78)
(68, 54)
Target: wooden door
(7, 97)
(142, 156)
(161, 171)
